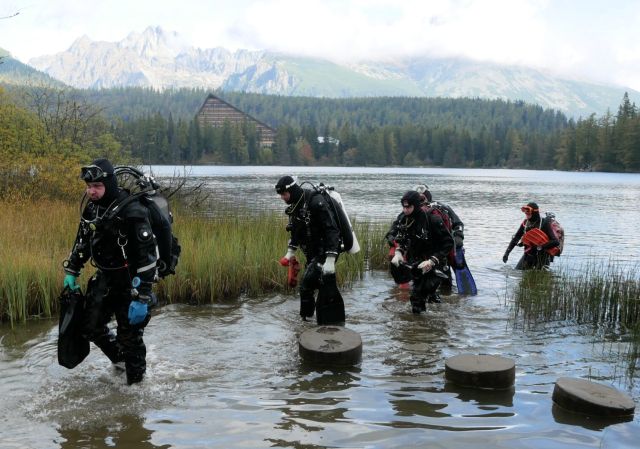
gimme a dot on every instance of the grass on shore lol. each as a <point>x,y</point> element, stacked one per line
<point>222,258</point>
<point>601,294</point>
<point>605,296</point>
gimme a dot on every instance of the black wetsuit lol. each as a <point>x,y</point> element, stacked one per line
<point>420,237</point>
<point>401,274</point>
<point>121,248</point>
<point>534,258</point>
<point>314,230</point>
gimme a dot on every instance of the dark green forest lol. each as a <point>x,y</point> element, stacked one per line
<point>160,127</point>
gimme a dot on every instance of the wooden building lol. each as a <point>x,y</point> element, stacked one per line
<point>215,111</point>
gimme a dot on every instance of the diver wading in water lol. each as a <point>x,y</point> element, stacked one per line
<point>465,283</point>
<point>314,230</point>
<point>121,245</point>
<point>538,238</point>
<point>453,224</point>
<point>423,245</point>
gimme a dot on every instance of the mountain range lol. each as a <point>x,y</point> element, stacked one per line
<point>161,59</point>
<point>13,71</point>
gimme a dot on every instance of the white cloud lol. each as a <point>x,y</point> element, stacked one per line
<point>496,30</point>
<point>583,38</point>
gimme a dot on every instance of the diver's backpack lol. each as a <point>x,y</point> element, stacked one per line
<point>334,200</point>
<point>437,209</point>
<point>557,229</point>
<point>147,190</point>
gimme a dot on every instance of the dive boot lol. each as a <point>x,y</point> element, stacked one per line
<point>418,305</point>
<point>434,299</point>
<point>134,378</point>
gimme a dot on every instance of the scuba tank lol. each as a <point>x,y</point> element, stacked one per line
<point>349,239</point>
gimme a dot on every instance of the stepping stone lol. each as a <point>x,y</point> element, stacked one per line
<point>331,345</point>
<point>591,398</point>
<point>480,371</point>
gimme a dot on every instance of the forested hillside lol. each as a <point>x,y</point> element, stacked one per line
<point>299,112</point>
<point>160,127</point>
<point>13,71</point>
<point>41,149</point>
<point>362,131</point>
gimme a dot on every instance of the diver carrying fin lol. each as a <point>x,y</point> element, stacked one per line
<point>73,347</point>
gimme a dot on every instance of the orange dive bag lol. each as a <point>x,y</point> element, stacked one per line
<point>537,237</point>
<point>292,274</point>
<point>294,269</point>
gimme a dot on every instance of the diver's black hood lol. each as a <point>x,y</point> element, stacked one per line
<point>289,184</point>
<point>111,190</point>
<point>412,198</point>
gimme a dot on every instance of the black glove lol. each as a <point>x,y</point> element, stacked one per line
<point>505,257</point>
<point>148,297</point>
<point>391,240</point>
<point>546,246</point>
<point>458,238</point>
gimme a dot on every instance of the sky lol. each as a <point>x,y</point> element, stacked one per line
<point>587,40</point>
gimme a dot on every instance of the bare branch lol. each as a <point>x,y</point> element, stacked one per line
<point>8,17</point>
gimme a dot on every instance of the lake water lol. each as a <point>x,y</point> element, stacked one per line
<point>229,375</point>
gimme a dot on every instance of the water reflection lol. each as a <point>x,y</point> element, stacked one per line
<point>229,374</point>
<point>563,416</point>
<point>485,399</point>
<point>127,431</point>
<point>414,407</point>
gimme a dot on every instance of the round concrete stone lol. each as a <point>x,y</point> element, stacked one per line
<point>331,345</point>
<point>590,398</point>
<point>480,371</point>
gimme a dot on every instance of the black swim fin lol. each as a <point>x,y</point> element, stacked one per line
<point>464,280</point>
<point>73,347</point>
<point>329,304</point>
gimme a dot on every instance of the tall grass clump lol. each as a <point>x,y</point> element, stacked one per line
<point>223,255</point>
<point>224,258</point>
<point>606,296</point>
<point>239,254</point>
<point>597,294</point>
<point>36,237</point>
<point>374,247</point>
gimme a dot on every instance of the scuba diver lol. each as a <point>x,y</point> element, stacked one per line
<point>454,225</point>
<point>423,244</point>
<point>115,233</point>
<point>538,238</point>
<point>314,230</point>
<point>401,273</point>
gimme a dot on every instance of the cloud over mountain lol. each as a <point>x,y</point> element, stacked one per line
<point>160,59</point>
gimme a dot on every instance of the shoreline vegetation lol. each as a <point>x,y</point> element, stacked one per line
<point>223,257</point>
<point>236,253</point>
<point>604,296</point>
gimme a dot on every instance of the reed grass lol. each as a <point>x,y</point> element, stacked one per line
<point>605,296</point>
<point>599,294</point>
<point>223,256</point>
<point>35,238</point>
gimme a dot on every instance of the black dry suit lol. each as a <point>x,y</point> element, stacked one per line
<point>534,258</point>
<point>421,237</point>
<point>121,246</point>
<point>313,230</point>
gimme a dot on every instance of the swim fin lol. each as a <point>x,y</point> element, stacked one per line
<point>464,280</point>
<point>73,347</point>
<point>329,304</point>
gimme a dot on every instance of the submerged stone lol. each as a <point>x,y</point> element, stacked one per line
<point>331,345</point>
<point>480,371</point>
<point>591,398</point>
